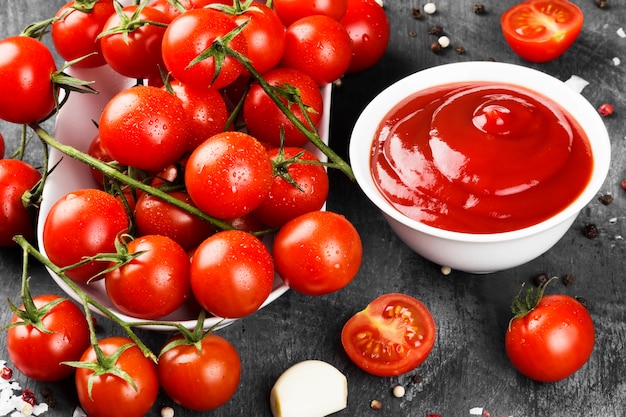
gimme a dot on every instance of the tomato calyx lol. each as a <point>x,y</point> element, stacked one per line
<point>130,23</point>
<point>236,9</point>
<point>31,315</point>
<point>523,305</point>
<point>191,337</point>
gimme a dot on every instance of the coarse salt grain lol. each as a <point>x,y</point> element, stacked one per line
<point>577,83</point>
<point>167,412</point>
<point>398,391</point>
<point>446,270</point>
<point>621,33</point>
<point>444,41</point>
<point>616,61</point>
<point>430,8</point>
<point>476,411</point>
<point>380,3</point>
<point>13,405</point>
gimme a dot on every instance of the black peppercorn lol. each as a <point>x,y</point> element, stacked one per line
<point>479,8</point>
<point>568,279</point>
<point>416,13</point>
<point>436,30</point>
<point>541,279</point>
<point>436,47</point>
<point>606,199</point>
<point>602,4</point>
<point>591,231</point>
<point>460,50</point>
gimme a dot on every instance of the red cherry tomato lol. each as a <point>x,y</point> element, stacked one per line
<point>317,253</point>
<point>144,127</point>
<point>542,30</point>
<point>153,284</point>
<point>288,200</point>
<point>291,10</point>
<point>265,120</point>
<point>200,379</point>
<point>26,66</point>
<point>188,36</point>
<point>16,177</point>
<point>393,335</point>
<point>135,52</point>
<point>319,46</point>
<point>75,33</point>
<point>83,223</point>
<point>109,395</point>
<point>39,354</point>
<point>368,27</point>
<point>229,175</point>
<point>552,339</point>
<point>232,274</point>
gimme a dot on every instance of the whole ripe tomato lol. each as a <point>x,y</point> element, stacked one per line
<point>192,33</point>
<point>232,274</point>
<point>550,338</point>
<point>291,10</point>
<point>134,50</point>
<point>317,253</point>
<point>154,283</point>
<point>75,33</point>
<point>144,127</point>
<point>206,111</point>
<point>200,379</point>
<point>109,395</point>
<point>16,177</point>
<point>26,66</point>
<point>541,30</point>
<point>49,335</point>
<point>265,121</point>
<point>229,175</point>
<point>304,190</point>
<point>393,335</point>
<point>319,46</point>
<point>368,27</point>
<point>265,36</point>
<point>83,223</point>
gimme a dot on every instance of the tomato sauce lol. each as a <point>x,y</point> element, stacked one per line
<point>480,157</point>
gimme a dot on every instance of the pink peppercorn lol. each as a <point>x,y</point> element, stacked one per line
<point>605,110</point>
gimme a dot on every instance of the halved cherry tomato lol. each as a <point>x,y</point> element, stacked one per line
<point>393,335</point>
<point>541,30</point>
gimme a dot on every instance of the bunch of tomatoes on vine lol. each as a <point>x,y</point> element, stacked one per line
<point>211,179</point>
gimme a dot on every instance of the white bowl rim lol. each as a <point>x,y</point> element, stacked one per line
<point>500,72</point>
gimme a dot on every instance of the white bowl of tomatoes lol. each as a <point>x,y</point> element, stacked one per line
<point>480,166</point>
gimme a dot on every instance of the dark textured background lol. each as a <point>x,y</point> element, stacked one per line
<point>468,366</point>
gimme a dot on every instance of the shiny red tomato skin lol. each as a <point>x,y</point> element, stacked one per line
<point>393,335</point>
<point>553,340</point>
<point>76,34</point>
<point>83,223</point>
<point>229,175</point>
<point>291,10</point>
<point>38,355</point>
<point>368,27</point>
<point>319,46</point>
<point>172,12</point>
<point>541,30</point>
<point>190,34</point>
<point>16,177</point>
<point>144,127</point>
<point>232,274</point>
<point>317,253</point>
<point>285,201</point>
<point>155,283</point>
<point>111,396</point>
<point>203,380</point>
<point>26,65</point>
<point>265,120</point>
<point>135,54</point>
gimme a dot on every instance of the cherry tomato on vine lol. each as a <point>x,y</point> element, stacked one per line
<point>75,33</point>
<point>319,46</point>
<point>541,30</point>
<point>232,274</point>
<point>203,379</point>
<point>26,67</point>
<point>135,51</point>
<point>291,10</point>
<point>264,120</point>
<point>317,253</point>
<point>153,284</point>
<point>16,177</point>
<point>109,395</point>
<point>144,127</point>
<point>229,175</point>
<point>288,200</point>
<point>368,27</point>
<point>551,338</point>
<point>83,223</point>
<point>189,35</point>
<point>55,335</point>
<point>393,335</point>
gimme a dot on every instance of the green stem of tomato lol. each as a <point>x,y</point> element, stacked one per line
<point>110,171</point>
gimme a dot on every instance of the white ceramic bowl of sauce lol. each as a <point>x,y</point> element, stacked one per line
<point>435,232</point>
